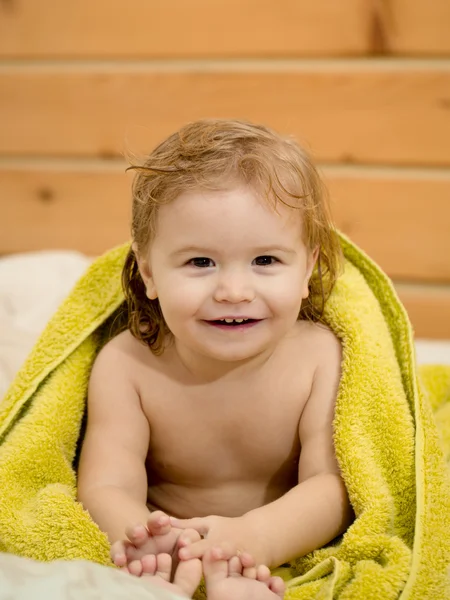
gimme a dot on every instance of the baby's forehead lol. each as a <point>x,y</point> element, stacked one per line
<point>227,219</point>
<point>275,200</point>
<point>227,203</point>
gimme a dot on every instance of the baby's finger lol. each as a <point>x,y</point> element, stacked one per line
<point>189,536</point>
<point>200,524</point>
<point>133,553</point>
<point>118,553</point>
<point>193,550</point>
<point>158,523</point>
<point>224,551</point>
<point>137,534</point>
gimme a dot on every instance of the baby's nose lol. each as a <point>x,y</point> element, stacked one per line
<point>234,287</point>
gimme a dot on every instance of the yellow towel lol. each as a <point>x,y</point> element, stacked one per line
<point>391,452</point>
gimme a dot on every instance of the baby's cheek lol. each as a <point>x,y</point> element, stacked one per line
<point>287,297</point>
<point>179,306</point>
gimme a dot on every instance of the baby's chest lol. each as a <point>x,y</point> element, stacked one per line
<point>224,436</point>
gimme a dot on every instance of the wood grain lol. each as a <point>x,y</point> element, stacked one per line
<point>428,308</point>
<point>85,211</point>
<point>223,28</point>
<point>347,112</point>
<point>416,27</point>
<point>176,28</point>
<point>401,218</point>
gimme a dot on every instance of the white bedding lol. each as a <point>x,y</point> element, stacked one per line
<point>24,579</point>
<point>33,284</point>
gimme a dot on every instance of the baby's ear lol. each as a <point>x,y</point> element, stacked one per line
<point>312,259</point>
<point>146,273</point>
<point>311,263</point>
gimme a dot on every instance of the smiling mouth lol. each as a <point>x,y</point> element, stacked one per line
<point>233,322</point>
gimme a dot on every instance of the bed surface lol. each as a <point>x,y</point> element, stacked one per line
<point>33,284</point>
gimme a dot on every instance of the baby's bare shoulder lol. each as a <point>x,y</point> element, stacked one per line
<point>121,370</point>
<point>318,347</point>
<point>316,337</point>
<point>122,354</point>
<point>119,348</point>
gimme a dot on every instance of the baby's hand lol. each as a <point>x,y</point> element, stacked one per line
<point>236,534</point>
<point>157,537</point>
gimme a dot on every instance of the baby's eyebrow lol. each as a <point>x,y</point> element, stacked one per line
<point>191,250</point>
<point>273,250</point>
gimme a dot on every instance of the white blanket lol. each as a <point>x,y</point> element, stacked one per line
<point>31,287</point>
<point>25,579</point>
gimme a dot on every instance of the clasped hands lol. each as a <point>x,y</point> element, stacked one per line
<point>184,539</point>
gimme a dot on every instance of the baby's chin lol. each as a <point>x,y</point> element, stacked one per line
<point>236,356</point>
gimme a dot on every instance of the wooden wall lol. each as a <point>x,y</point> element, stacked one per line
<point>365,84</point>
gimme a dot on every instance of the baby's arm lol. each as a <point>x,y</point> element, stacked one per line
<point>313,512</point>
<point>316,510</point>
<point>112,481</point>
<point>112,478</point>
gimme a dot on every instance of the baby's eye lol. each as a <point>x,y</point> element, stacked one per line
<point>201,262</point>
<point>264,261</point>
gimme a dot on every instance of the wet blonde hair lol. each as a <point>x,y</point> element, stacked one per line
<point>219,154</point>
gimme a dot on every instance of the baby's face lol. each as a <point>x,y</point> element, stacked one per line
<point>230,273</point>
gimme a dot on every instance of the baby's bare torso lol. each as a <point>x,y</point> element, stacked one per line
<point>227,446</point>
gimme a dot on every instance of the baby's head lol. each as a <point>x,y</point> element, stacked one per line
<point>214,155</point>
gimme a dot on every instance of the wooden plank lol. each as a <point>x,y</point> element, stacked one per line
<point>198,28</point>
<point>415,28</point>
<point>428,308</point>
<point>80,210</point>
<point>400,219</point>
<point>223,28</point>
<point>349,112</point>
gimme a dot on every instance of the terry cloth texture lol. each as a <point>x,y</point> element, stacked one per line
<point>392,431</point>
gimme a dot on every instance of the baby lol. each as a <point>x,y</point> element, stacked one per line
<point>210,418</point>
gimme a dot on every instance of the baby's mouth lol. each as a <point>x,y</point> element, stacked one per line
<point>230,323</point>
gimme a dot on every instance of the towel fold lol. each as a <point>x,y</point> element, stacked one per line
<point>392,439</point>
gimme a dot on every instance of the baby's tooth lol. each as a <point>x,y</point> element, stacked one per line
<point>228,320</point>
<point>239,320</point>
